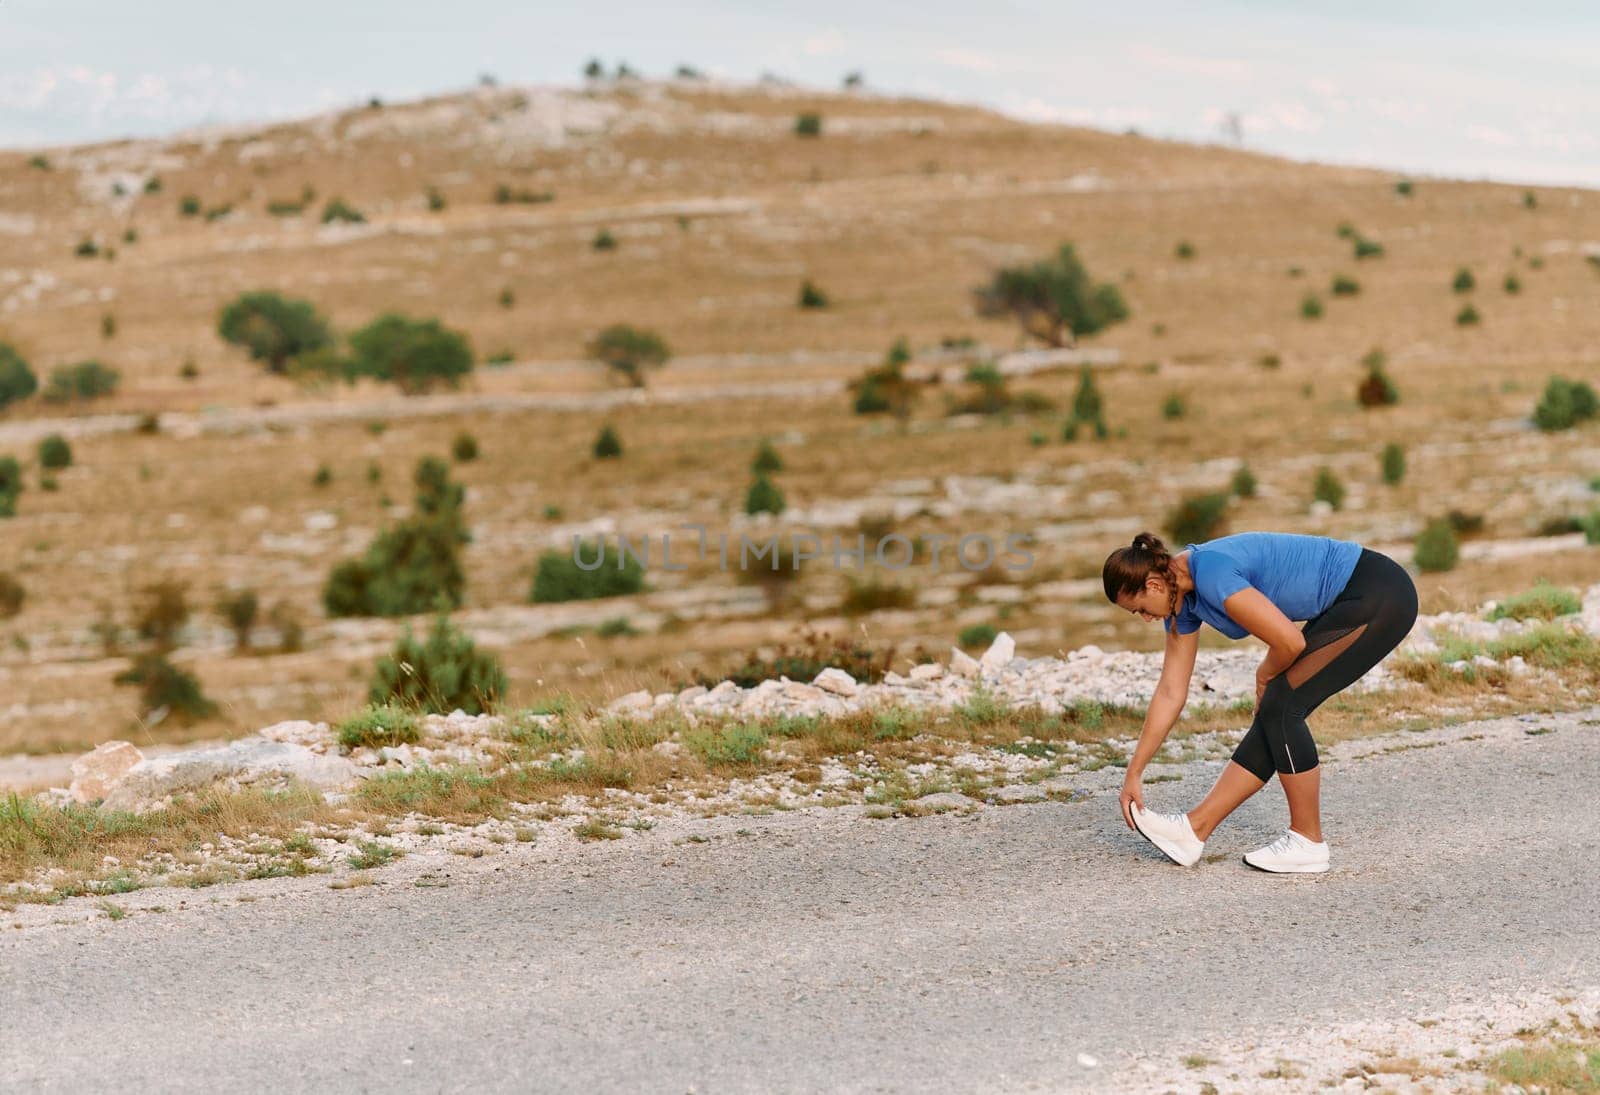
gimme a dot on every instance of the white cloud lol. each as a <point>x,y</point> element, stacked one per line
<point>1490,135</point>
<point>1213,68</point>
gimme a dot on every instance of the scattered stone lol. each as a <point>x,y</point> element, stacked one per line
<point>94,774</point>
<point>999,654</point>
<point>1013,793</point>
<point>946,800</point>
<point>636,701</point>
<point>931,671</point>
<point>963,664</point>
<point>836,681</point>
<point>247,760</point>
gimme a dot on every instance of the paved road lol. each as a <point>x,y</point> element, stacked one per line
<point>829,952</point>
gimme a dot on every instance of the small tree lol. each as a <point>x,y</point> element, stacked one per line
<point>1393,463</point>
<point>608,446</point>
<point>337,209</point>
<point>811,296</point>
<point>1311,306</point>
<point>1343,286</point>
<point>166,690</point>
<point>1564,404</point>
<point>808,124</point>
<point>17,381</point>
<point>763,497</point>
<point>1198,517</point>
<point>1467,317</point>
<point>628,351</point>
<point>163,610</point>
<point>445,673</point>
<point>416,355</point>
<point>887,389</point>
<point>1437,548</point>
<point>464,448</point>
<point>54,452</point>
<point>1327,488</point>
<point>767,461</point>
<point>1244,482</point>
<point>1174,406</point>
<point>10,485</point>
<point>1054,300</point>
<point>1464,281</point>
<point>1184,250</point>
<point>82,381</point>
<point>239,610</point>
<point>273,328</point>
<point>604,240</point>
<point>1377,390</point>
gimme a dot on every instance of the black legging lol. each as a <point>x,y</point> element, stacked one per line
<point>1368,619</point>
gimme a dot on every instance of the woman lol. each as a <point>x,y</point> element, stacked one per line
<point>1358,603</point>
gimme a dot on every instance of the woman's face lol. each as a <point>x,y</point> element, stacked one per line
<point>1150,603</point>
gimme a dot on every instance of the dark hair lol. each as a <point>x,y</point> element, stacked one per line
<point>1128,568</point>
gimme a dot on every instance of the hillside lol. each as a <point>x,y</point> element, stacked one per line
<point>719,212</point>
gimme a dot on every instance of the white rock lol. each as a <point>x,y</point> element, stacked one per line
<point>999,654</point>
<point>1017,792</point>
<point>95,773</point>
<point>631,701</point>
<point>245,760</point>
<point>929,672</point>
<point>963,664</point>
<point>946,800</point>
<point>298,731</point>
<point>836,681</point>
<point>804,693</point>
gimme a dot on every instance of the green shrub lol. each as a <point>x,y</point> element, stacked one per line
<point>11,596</point>
<point>1327,488</point>
<point>1244,482</point>
<point>767,461</point>
<point>1198,517</point>
<point>607,446</point>
<point>1543,602</point>
<point>504,195</point>
<point>1564,404</point>
<point>1364,248</point>
<point>740,743</point>
<point>1311,306</point>
<point>442,674</point>
<point>809,655</point>
<point>763,497</point>
<point>808,124</point>
<point>977,635</point>
<point>413,566</point>
<point>163,687</point>
<point>811,296</point>
<point>886,389</point>
<point>1184,250</point>
<point>507,298</point>
<point>54,452</point>
<point>338,210</point>
<point>1344,286</point>
<point>323,476</point>
<point>17,381</point>
<point>1377,390</point>
<point>1173,407</point>
<point>1087,406</point>
<point>10,485</point>
<point>87,248</point>
<point>628,351</point>
<point>1529,200</point>
<point>378,725</point>
<point>82,381</point>
<point>1403,187</point>
<point>436,200</point>
<point>604,240</point>
<point>1437,548</point>
<point>273,328</point>
<point>604,574</point>
<point>1269,361</point>
<point>1467,317</point>
<point>464,448</point>
<point>1345,230</point>
<point>1464,281</point>
<point>1511,285</point>
<point>614,627</point>
<point>189,206</point>
<point>239,610</point>
<point>1393,463</point>
<point>1054,300</point>
<point>416,355</point>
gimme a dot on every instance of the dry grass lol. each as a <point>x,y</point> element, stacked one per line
<point>896,227</point>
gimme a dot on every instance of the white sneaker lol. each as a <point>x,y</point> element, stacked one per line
<point>1291,853</point>
<point>1172,833</point>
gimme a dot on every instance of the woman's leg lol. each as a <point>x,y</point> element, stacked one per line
<point>1233,786</point>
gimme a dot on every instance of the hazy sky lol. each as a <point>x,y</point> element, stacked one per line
<point>1465,88</point>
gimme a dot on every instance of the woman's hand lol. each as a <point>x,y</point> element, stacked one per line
<point>1131,793</point>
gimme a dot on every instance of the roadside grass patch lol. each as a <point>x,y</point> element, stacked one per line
<point>1544,601</point>
<point>374,854</point>
<point>379,725</point>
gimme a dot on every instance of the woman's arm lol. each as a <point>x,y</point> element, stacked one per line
<point>1251,610</point>
<point>1172,692</point>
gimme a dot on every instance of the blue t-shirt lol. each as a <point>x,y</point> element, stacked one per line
<point>1300,574</point>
